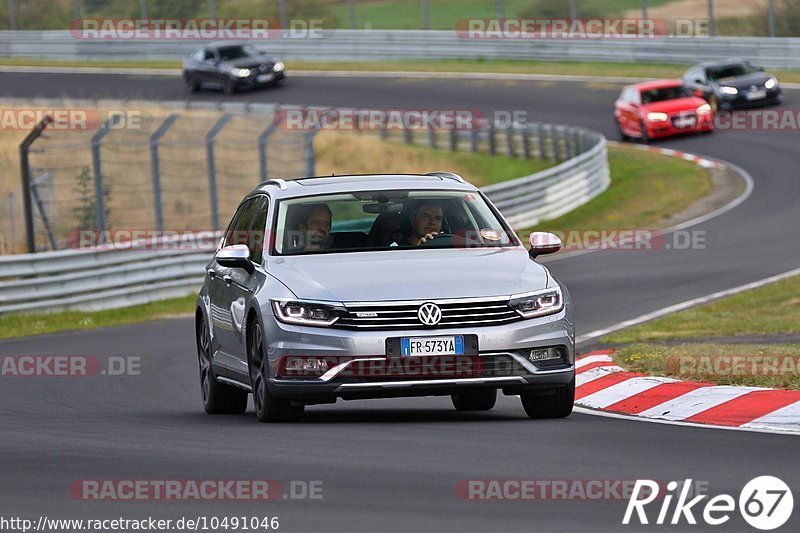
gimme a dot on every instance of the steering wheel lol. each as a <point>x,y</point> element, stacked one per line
<point>441,239</point>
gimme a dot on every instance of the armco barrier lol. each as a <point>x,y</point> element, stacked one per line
<point>109,277</point>
<point>353,45</point>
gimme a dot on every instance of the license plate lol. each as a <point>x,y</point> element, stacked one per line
<point>416,346</point>
<point>686,122</point>
<point>757,95</point>
<point>264,77</point>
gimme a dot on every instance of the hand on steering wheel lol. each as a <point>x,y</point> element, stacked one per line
<point>429,237</point>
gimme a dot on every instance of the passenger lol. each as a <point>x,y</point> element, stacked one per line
<point>387,230</point>
<point>316,227</point>
<point>426,222</point>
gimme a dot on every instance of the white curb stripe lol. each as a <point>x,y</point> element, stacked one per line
<point>595,373</point>
<point>622,391</point>
<point>785,419</point>
<point>695,402</point>
<point>583,361</point>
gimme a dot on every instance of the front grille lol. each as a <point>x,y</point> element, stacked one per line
<point>684,120</point>
<point>470,313</point>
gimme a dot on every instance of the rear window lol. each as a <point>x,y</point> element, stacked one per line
<point>388,220</point>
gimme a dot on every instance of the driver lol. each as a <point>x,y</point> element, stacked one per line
<point>317,227</point>
<point>426,222</point>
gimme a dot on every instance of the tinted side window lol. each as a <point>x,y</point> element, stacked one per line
<point>209,54</point>
<point>257,228</point>
<point>199,55</point>
<point>240,224</point>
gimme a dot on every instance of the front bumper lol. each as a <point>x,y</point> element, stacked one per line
<point>741,101</point>
<point>500,363</point>
<point>260,80</point>
<point>656,130</point>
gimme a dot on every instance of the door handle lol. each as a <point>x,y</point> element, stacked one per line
<point>211,273</point>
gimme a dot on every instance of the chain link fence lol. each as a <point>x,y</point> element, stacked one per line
<point>151,168</point>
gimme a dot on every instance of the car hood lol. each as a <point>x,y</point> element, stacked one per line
<point>410,274</point>
<point>745,82</point>
<point>689,103</point>
<point>251,62</point>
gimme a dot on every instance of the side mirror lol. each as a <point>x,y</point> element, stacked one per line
<point>698,81</point>
<point>235,256</point>
<point>543,243</point>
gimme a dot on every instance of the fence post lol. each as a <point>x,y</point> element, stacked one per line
<point>407,137</point>
<point>262,149</point>
<point>99,187</point>
<point>492,140</point>
<point>554,142</point>
<point>432,137</point>
<point>212,167</point>
<point>510,141</point>
<point>42,211</point>
<point>155,168</point>
<point>25,168</point>
<point>526,141</point>
<point>453,140</point>
<point>309,153</point>
<point>540,139</point>
<point>13,215</point>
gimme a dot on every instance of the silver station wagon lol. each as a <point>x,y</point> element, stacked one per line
<point>380,286</point>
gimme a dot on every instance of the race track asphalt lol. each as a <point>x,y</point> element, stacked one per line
<point>392,465</point>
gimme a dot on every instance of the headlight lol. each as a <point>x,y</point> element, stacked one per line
<point>303,313</point>
<point>278,66</point>
<point>703,109</point>
<point>729,90</point>
<point>241,72</point>
<point>771,83</point>
<point>657,117</point>
<point>539,303</point>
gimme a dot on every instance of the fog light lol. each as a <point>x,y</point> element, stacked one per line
<point>545,354</point>
<point>305,366</point>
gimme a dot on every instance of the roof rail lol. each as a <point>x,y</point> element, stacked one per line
<point>281,184</point>
<point>446,175</point>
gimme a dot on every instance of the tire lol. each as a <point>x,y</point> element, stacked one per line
<point>478,400</point>
<point>218,399</point>
<point>268,407</point>
<point>228,87</point>
<point>558,404</point>
<point>714,103</point>
<point>645,138</point>
<point>192,84</point>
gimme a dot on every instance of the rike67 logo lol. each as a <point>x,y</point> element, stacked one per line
<point>765,503</point>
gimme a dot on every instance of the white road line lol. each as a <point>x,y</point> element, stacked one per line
<point>595,373</point>
<point>591,359</point>
<point>621,391</point>
<point>786,418</point>
<point>686,305</point>
<point>694,402</point>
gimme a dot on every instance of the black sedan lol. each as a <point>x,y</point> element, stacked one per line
<point>231,66</point>
<point>733,83</point>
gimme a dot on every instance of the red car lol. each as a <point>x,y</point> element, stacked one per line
<point>661,108</point>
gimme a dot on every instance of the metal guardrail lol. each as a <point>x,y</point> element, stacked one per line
<point>353,45</point>
<point>109,276</point>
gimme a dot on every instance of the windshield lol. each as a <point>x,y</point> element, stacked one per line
<point>665,93</point>
<point>731,71</point>
<point>228,53</point>
<point>388,220</point>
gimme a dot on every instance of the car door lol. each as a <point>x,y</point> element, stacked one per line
<point>209,68</point>
<point>223,294</point>
<point>243,285</point>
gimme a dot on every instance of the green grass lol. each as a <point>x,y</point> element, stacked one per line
<point>557,68</point>
<point>407,14</point>
<point>724,364</point>
<point>774,308</point>
<point>23,325</point>
<point>646,188</point>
